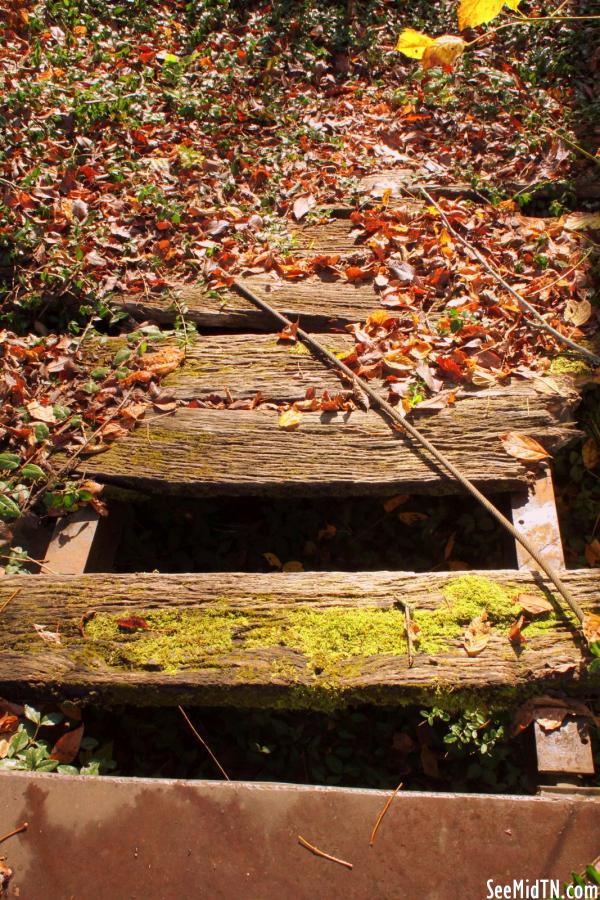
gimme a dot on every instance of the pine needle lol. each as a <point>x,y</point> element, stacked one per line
<point>322,854</point>
<point>388,803</point>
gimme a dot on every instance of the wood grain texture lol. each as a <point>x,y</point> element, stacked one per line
<point>279,674</point>
<point>203,451</point>
<point>244,452</point>
<point>318,303</point>
<point>247,363</point>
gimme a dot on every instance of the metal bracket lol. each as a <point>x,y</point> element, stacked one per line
<point>534,513</point>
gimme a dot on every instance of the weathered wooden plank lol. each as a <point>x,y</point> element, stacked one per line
<point>247,363</point>
<point>319,304</point>
<point>296,639</point>
<point>244,452</point>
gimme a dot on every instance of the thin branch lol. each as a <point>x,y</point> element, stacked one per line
<point>7,601</point>
<point>204,744</point>
<point>541,322</point>
<point>29,559</point>
<point>322,854</point>
<point>379,819</point>
<point>17,830</point>
<point>572,144</point>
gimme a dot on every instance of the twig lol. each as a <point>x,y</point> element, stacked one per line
<point>409,636</point>
<point>204,744</point>
<point>322,854</point>
<point>12,597</point>
<point>541,322</point>
<point>379,819</point>
<point>18,830</point>
<point>399,422</point>
<point>30,559</point>
<point>572,144</point>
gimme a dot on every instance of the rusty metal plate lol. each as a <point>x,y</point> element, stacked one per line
<point>566,749</point>
<point>137,839</point>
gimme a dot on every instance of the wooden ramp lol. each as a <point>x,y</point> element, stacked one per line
<point>297,639</point>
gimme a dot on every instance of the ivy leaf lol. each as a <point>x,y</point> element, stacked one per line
<point>32,472</point>
<point>9,461</point>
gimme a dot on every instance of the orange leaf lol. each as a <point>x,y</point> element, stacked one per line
<point>391,503</point>
<point>356,273</point>
<point>521,446</point>
<point>67,747</point>
<point>514,634</point>
<point>591,628</point>
<point>592,553</point>
<point>380,317</point>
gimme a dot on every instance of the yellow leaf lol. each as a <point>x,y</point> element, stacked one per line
<point>413,43</point>
<point>293,566</point>
<point>591,627</point>
<point>290,419</point>
<point>273,560</point>
<point>444,51</point>
<point>589,454</point>
<point>379,317</point>
<point>472,13</point>
<point>512,4</point>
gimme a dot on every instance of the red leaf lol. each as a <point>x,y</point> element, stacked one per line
<point>132,623</point>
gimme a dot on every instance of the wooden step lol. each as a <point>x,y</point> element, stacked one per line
<point>293,640</point>
<point>198,452</point>
<point>318,303</point>
<point>202,451</point>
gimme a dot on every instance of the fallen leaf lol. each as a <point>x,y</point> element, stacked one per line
<point>521,446</point>
<point>592,553</point>
<point>413,43</point>
<point>589,454</point>
<point>51,637</point>
<point>591,627</point>
<point>303,205</point>
<point>292,566</point>
<point>411,518</point>
<point>67,747</point>
<point>477,635</point>
<point>289,333</point>
<point>472,13</point>
<point>533,604</point>
<point>577,312</point>
<point>515,635</point>
<point>429,761</point>
<point>550,712</point>
<point>273,560</point>
<point>392,503</point>
<point>41,413</point>
<point>290,419</point>
<point>443,53</point>
<point>132,623</point>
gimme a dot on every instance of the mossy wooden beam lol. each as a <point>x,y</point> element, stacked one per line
<point>289,640</point>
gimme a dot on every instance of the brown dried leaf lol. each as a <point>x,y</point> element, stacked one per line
<point>521,446</point>
<point>67,747</point>
<point>51,637</point>
<point>589,454</point>
<point>533,604</point>
<point>132,623</point>
<point>577,312</point>
<point>591,628</point>
<point>477,635</point>
<point>515,634</point>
